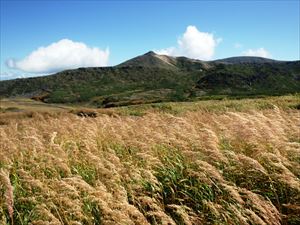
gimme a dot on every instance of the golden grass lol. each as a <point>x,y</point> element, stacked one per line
<point>194,167</point>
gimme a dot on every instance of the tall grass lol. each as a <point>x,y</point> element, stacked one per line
<point>197,167</point>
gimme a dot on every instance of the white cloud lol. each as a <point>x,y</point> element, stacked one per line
<point>7,75</point>
<point>61,55</point>
<point>13,74</point>
<point>193,44</point>
<point>260,52</point>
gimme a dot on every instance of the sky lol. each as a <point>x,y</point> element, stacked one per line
<point>47,36</point>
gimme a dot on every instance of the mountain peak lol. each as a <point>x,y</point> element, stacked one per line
<point>151,53</point>
<point>151,59</point>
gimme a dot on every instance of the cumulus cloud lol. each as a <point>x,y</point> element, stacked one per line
<point>193,44</point>
<point>260,52</point>
<point>7,75</point>
<point>13,74</point>
<point>61,55</point>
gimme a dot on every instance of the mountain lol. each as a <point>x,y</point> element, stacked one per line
<point>151,59</point>
<point>246,59</point>
<point>155,78</point>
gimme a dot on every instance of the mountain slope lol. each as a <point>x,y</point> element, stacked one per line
<point>154,78</point>
<point>150,59</point>
<point>102,86</point>
<point>246,59</point>
<point>252,78</point>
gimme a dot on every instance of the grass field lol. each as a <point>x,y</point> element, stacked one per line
<point>206,162</point>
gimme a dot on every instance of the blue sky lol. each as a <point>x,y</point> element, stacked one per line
<point>90,33</point>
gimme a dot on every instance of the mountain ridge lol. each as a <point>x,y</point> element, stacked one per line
<point>148,59</point>
<point>152,78</point>
<point>247,59</point>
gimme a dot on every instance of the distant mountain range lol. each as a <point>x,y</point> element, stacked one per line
<point>155,78</point>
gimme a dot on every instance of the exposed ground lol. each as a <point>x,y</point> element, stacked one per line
<point>207,162</point>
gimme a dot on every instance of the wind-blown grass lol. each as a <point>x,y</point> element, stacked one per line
<point>194,167</point>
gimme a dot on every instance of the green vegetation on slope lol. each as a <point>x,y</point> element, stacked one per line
<point>154,78</point>
<point>252,79</point>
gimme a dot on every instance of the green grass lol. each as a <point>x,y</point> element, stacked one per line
<point>215,106</point>
<point>130,85</point>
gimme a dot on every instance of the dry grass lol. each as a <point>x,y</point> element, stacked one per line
<point>197,167</point>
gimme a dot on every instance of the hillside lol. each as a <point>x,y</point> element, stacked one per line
<point>155,78</point>
<point>246,59</point>
<point>252,78</point>
<point>150,59</point>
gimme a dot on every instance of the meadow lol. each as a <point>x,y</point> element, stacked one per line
<point>206,162</point>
